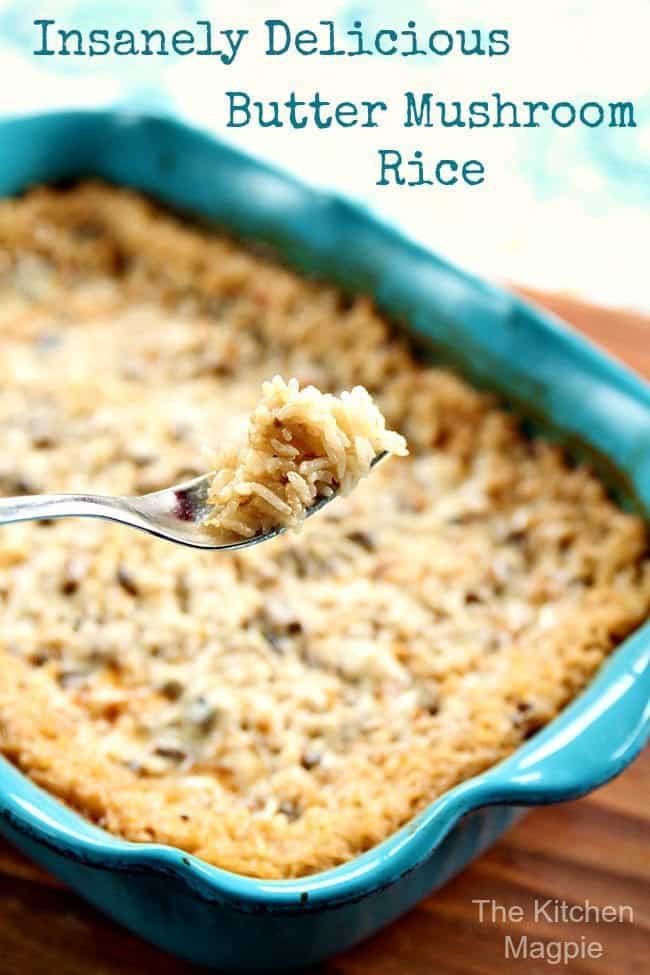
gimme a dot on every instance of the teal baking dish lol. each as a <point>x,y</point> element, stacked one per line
<point>234,923</point>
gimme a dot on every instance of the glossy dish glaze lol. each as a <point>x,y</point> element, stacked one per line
<point>236,923</point>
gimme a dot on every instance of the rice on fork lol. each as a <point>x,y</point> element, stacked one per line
<point>302,445</point>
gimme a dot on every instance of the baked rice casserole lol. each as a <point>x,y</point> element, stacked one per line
<point>275,711</point>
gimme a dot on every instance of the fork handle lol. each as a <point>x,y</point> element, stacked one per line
<point>40,506</point>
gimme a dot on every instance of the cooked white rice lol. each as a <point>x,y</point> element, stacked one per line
<point>301,445</point>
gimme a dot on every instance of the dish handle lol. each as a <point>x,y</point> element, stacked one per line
<point>588,745</point>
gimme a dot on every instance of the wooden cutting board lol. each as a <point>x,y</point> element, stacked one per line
<point>596,849</point>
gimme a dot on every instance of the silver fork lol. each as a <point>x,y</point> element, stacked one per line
<point>177,513</point>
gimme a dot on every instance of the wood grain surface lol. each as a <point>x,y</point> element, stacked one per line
<point>596,849</point>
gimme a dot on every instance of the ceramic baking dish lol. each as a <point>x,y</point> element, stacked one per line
<point>236,923</point>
